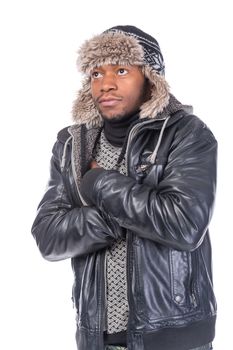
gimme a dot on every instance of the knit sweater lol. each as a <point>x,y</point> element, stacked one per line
<point>106,156</point>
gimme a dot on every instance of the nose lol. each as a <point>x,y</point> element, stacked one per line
<point>108,82</point>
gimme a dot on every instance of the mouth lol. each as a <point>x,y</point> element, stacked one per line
<point>109,101</point>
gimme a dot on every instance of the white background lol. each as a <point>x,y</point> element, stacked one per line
<point>38,82</point>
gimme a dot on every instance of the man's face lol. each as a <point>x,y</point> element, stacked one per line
<point>118,91</point>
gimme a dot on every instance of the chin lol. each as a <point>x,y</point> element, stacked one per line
<point>115,117</point>
<point>112,117</point>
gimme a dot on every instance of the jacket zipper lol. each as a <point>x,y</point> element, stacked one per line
<point>104,312</point>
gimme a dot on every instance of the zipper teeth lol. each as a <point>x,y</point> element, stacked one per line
<point>105,292</point>
<point>128,274</point>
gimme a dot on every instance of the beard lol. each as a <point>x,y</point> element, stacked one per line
<point>118,117</point>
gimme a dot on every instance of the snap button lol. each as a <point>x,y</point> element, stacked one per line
<point>178,298</point>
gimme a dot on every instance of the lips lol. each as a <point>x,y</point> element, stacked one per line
<point>109,101</point>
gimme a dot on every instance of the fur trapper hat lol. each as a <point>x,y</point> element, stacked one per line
<point>122,45</point>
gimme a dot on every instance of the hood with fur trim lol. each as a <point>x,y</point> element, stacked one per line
<point>116,48</point>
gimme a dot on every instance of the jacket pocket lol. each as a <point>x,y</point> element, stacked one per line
<point>183,279</point>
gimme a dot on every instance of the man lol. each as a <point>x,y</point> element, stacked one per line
<point>129,200</point>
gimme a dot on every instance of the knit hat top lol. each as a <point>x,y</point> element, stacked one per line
<point>152,53</point>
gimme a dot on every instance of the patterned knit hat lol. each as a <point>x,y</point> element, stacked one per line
<point>152,53</point>
<point>121,45</point>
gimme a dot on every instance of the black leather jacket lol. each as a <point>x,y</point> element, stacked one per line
<point>165,203</point>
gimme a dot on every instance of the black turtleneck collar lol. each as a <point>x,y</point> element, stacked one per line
<point>115,130</point>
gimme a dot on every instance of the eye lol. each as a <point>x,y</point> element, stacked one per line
<point>122,71</point>
<point>95,74</point>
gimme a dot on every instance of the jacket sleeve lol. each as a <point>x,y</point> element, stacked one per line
<point>177,211</point>
<point>63,230</point>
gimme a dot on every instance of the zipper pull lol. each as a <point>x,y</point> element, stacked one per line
<point>142,168</point>
<point>141,171</point>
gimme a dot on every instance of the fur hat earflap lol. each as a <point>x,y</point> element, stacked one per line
<point>159,94</point>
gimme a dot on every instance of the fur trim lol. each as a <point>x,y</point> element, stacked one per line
<point>159,94</point>
<point>84,110</point>
<point>109,48</point>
